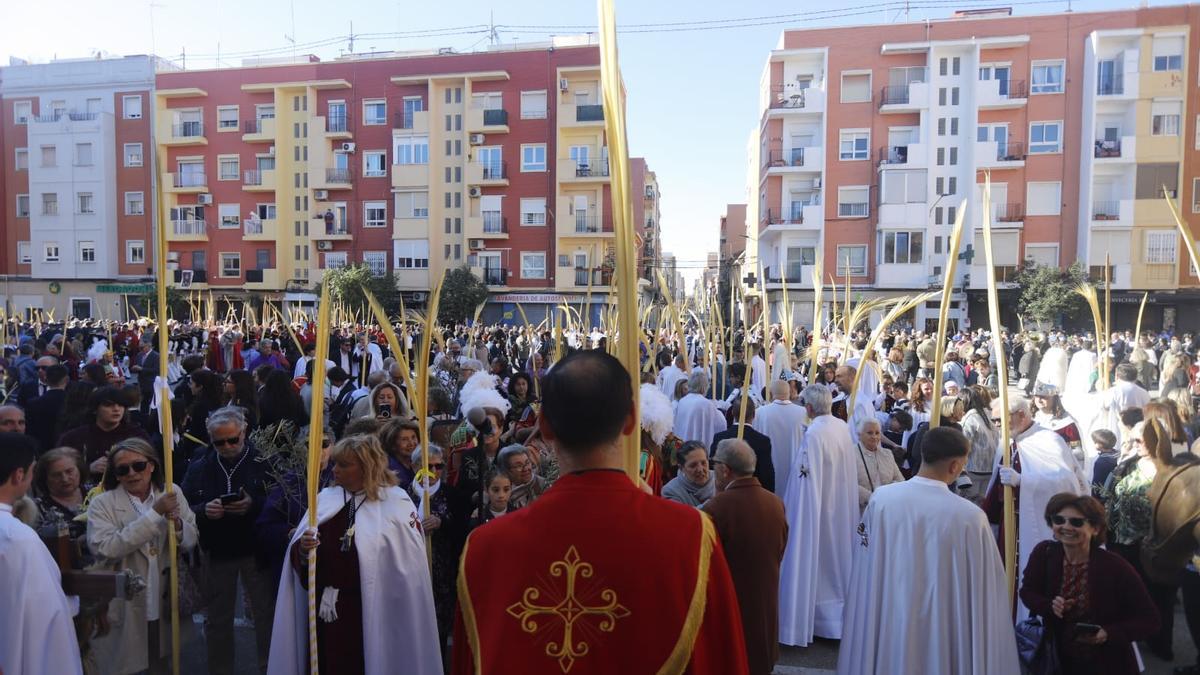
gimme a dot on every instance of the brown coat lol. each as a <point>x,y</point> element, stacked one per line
<point>753,529</point>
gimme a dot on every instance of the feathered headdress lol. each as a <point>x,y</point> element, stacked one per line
<point>96,352</point>
<point>657,416</point>
<point>480,392</point>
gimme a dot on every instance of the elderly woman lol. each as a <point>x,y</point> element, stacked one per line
<point>1092,602</point>
<point>527,485</point>
<point>694,485</point>
<point>368,536</point>
<point>399,438</point>
<point>127,530</point>
<point>875,468</point>
<point>58,489</point>
<point>1052,415</point>
<point>978,428</point>
<point>439,525</point>
<point>1147,370</point>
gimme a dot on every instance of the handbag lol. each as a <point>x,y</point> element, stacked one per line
<point>1036,645</point>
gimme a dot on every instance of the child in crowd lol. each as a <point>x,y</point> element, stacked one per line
<point>499,487</point>
<point>1106,444</point>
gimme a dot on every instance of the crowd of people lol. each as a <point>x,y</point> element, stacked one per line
<point>833,507</point>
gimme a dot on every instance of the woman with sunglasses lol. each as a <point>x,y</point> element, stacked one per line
<point>439,525</point>
<point>127,530</point>
<point>1092,602</point>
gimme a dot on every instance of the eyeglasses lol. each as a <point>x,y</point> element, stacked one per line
<point>1063,520</point>
<point>136,467</point>
<point>218,442</point>
<point>436,467</point>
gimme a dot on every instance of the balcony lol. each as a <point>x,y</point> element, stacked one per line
<point>585,276</point>
<point>334,230</point>
<point>1008,213</point>
<point>187,182</point>
<point>1111,86</point>
<point>798,215</point>
<point>493,276</point>
<point>338,177</point>
<point>260,230</point>
<point>587,171</point>
<point>410,175</point>
<point>585,223</point>
<point>487,173</point>
<point>337,127</point>
<point>261,130</point>
<point>1000,94</point>
<point>416,121</point>
<point>263,279</point>
<point>796,276</point>
<point>256,180</point>
<point>903,98</point>
<point>996,155</point>
<point>1120,151</point>
<point>487,120</point>
<point>182,133</point>
<point>189,230</point>
<point>494,223</point>
<point>197,276</point>
<point>1112,213</point>
<point>806,158</point>
<point>586,115</point>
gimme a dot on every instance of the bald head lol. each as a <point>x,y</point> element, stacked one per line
<point>737,456</point>
<point>12,419</point>
<point>844,377</point>
<point>781,390</point>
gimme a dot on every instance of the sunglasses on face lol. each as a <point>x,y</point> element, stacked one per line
<point>218,442</point>
<point>1063,520</point>
<point>135,467</point>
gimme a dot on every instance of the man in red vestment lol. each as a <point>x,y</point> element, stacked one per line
<point>595,576</point>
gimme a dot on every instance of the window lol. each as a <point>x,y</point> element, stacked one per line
<point>1164,118</point>
<point>135,205</point>
<point>374,214</point>
<point>227,168</point>
<point>1044,255</point>
<point>853,202</point>
<point>856,87</point>
<point>135,251</point>
<point>22,111</point>
<point>799,257</point>
<point>413,205</point>
<point>49,156</point>
<point>87,251</point>
<point>50,252</point>
<point>902,248</point>
<point>1043,199</point>
<point>411,150</point>
<point>22,206</point>
<point>1160,247</point>
<point>336,261</point>
<point>851,260</point>
<point>376,261</point>
<point>1171,62</point>
<point>131,107</point>
<point>533,211</point>
<point>227,118</point>
<point>374,112</point>
<point>24,252</point>
<point>231,265</point>
<point>903,187</point>
<point>1045,137</point>
<point>533,264</point>
<point>266,211</point>
<point>1152,177</point>
<point>375,163</point>
<point>533,157</point>
<point>533,105</point>
<point>49,203</point>
<point>84,203</point>
<point>1047,77</point>
<point>229,216</point>
<point>22,159</point>
<point>1196,195</point>
<point>133,154</point>
<point>412,254</point>
<point>855,144</point>
<point>1168,52</point>
<point>953,95</point>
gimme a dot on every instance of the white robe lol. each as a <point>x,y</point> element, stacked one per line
<point>1053,368</point>
<point>783,422</point>
<point>821,502</point>
<point>397,594</point>
<point>758,373</point>
<point>927,591</point>
<point>698,419</point>
<point>667,378</point>
<point>37,634</point>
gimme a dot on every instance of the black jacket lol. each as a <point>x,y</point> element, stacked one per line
<point>41,416</point>
<point>764,468</point>
<point>229,536</point>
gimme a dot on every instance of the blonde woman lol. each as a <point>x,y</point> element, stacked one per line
<point>373,586</point>
<point>127,530</point>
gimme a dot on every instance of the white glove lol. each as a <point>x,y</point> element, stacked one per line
<point>328,610</point>
<point>1009,476</point>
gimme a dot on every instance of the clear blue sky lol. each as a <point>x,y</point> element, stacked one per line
<point>692,94</point>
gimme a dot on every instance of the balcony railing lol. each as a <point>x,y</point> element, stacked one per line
<point>586,222</point>
<point>894,94</point>
<point>793,157</point>
<point>189,179</point>
<point>788,97</point>
<point>495,170</point>
<point>497,117</point>
<point>50,209</point>
<point>589,113</point>
<point>793,272</point>
<point>1108,149</point>
<point>82,116</point>
<point>495,276</point>
<point>1111,86</point>
<point>335,124</point>
<point>188,227</point>
<point>1008,213</point>
<point>494,223</point>
<point>404,118</point>
<point>253,177</point>
<point>187,129</point>
<point>254,126</point>
<point>1106,209</point>
<point>1013,151</point>
<point>793,215</point>
<point>1096,273</point>
<point>340,176</point>
<point>251,227</point>
<point>598,277</point>
<point>895,154</point>
<point>333,226</point>
<point>1011,88</point>
<point>589,168</point>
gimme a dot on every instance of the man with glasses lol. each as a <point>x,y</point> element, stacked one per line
<point>226,488</point>
<point>33,389</point>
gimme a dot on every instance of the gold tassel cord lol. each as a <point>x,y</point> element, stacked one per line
<point>935,412</point>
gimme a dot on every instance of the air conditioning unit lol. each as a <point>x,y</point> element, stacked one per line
<point>324,245</point>
<point>419,297</point>
<point>173,256</point>
<point>476,139</point>
<point>185,278</point>
<point>817,182</point>
<point>563,84</point>
<point>321,194</point>
<point>474,191</point>
<point>271,151</point>
<point>476,244</point>
<point>347,147</point>
<point>204,198</point>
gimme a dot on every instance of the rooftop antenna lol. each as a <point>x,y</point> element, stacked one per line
<point>493,34</point>
<point>351,37</point>
<point>292,38</point>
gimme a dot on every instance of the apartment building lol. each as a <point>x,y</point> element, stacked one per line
<point>644,192</point>
<point>77,185</point>
<point>871,138</point>
<point>411,164</point>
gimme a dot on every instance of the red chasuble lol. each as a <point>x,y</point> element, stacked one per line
<point>597,577</point>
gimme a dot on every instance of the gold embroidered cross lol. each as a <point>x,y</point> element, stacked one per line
<point>569,609</point>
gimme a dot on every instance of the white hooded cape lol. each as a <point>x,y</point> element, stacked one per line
<point>927,591</point>
<point>783,422</point>
<point>397,594</point>
<point>821,501</point>
<point>698,419</point>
